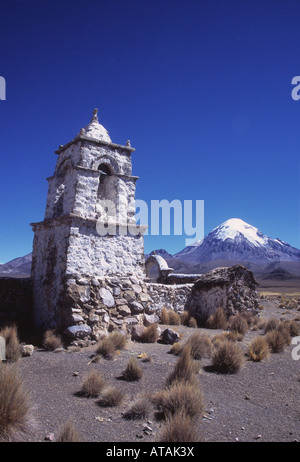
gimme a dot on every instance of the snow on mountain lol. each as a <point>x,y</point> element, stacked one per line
<point>236,240</point>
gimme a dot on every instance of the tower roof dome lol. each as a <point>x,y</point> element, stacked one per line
<point>95,130</point>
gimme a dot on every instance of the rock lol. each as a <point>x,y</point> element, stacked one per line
<point>93,318</point>
<point>81,331</point>
<point>150,319</point>
<point>118,322</point>
<point>169,336</point>
<point>144,297</point>
<point>107,298</point>
<point>26,350</point>
<point>76,318</point>
<point>121,301</point>
<point>137,288</point>
<point>136,307</point>
<point>124,310</point>
<point>137,332</point>
<point>131,321</point>
<point>105,318</point>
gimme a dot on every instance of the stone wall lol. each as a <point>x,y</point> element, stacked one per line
<point>233,289</point>
<point>90,307</point>
<point>94,306</point>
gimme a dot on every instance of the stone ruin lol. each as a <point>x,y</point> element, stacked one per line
<point>86,283</point>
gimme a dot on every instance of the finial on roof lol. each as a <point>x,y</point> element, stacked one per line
<point>95,115</point>
<point>128,143</point>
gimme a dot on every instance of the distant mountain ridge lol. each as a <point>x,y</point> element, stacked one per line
<point>18,267</point>
<point>233,242</point>
<point>236,240</point>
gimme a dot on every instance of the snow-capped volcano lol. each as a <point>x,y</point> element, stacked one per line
<point>236,240</point>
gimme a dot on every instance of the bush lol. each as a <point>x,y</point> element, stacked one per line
<point>68,434</point>
<point>276,340</point>
<point>293,327</point>
<point>200,345</point>
<point>184,318</point>
<point>285,331</point>
<point>108,346</point>
<point>179,429</point>
<point>218,320</point>
<point>140,409</point>
<point>111,397</point>
<point>10,334</point>
<point>271,324</point>
<point>150,334</point>
<point>119,340</point>
<point>174,318</point>
<point>176,349</point>
<point>238,324</point>
<point>51,340</point>
<point>185,368</point>
<point>15,408</point>
<point>192,322</point>
<point>133,371</point>
<point>183,397</point>
<point>228,357</point>
<point>93,384</point>
<point>258,349</point>
<point>164,316</point>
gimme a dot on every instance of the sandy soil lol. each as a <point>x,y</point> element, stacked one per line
<point>259,403</point>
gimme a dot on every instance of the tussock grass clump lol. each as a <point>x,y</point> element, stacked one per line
<point>15,407</point>
<point>192,322</point>
<point>184,318</point>
<point>271,324</point>
<point>133,371</point>
<point>291,325</point>
<point>140,409</point>
<point>276,340</point>
<point>200,345</point>
<point>10,334</point>
<point>176,349</point>
<point>258,349</point>
<point>164,316</point>
<point>285,331</point>
<point>180,397</point>
<point>119,340</point>
<point>228,357</point>
<point>179,429</point>
<point>68,434</point>
<point>174,318</point>
<point>92,384</point>
<point>111,397</point>
<point>228,335</point>
<point>108,346</point>
<point>238,324</point>
<point>51,340</point>
<point>150,334</point>
<point>218,320</point>
<point>185,369</point>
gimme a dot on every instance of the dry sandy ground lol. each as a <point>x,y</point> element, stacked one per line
<point>259,403</point>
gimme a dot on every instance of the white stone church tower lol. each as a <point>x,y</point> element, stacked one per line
<point>84,234</point>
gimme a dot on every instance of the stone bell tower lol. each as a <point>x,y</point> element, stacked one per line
<point>85,231</point>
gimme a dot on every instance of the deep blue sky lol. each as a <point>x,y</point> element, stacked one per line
<point>202,88</point>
